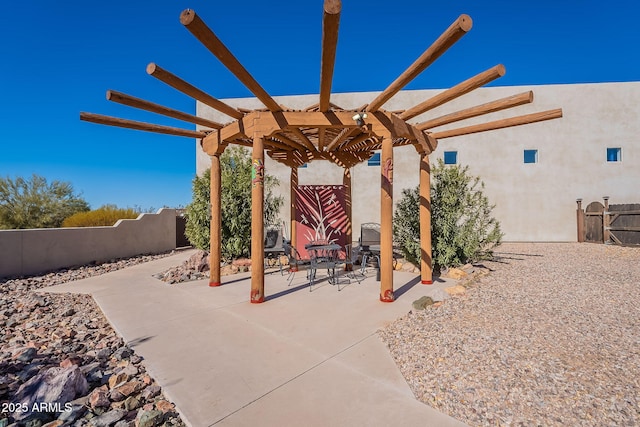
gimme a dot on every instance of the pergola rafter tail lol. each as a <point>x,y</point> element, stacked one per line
<point>132,124</point>
<point>199,29</point>
<point>188,89</point>
<point>330,24</point>
<point>134,102</point>
<point>479,110</point>
<point>451,35</point>
<point>501,124</point>
<point>456,91</point>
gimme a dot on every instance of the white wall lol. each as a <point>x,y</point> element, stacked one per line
<point>534,202</point>
<point>28,252</point>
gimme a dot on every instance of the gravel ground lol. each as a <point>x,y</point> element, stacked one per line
<point>550,337</point>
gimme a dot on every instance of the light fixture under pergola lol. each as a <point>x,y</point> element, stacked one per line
<point>324,131</point>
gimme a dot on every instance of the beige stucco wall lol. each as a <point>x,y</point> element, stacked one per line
<point>28,252</point>
<point>534,202</point>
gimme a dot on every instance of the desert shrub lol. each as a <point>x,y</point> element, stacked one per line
<point>34,203</point>
<point>235,165</point>
<point>106,215</point>
<point>406,224</point>
<point>462,228</point>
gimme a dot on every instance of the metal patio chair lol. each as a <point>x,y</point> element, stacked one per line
<point>369,243</point>
<point>351,255</point>
<point>323,256</point>
<point>273,245</point>
<point>295,261</point>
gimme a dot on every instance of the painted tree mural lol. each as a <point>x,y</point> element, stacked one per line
<point>320,215</point>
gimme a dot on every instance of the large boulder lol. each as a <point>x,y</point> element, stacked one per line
<point>198,262</point>
<point>55,385</point>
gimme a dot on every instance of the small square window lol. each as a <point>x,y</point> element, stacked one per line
<point>303,166</point>
<point>450,157</point>
<point>614,154</point>
<point>531,156</point>
<point>374,160</point>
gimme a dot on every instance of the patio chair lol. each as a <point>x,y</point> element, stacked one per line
<point>273,245</point>
<point>295,261</point>
<point>351,256</point>
<point>321,259</point>
<point>369,243</point>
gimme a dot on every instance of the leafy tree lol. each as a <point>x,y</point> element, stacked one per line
<point>33,203</point>
<point>235,165</point>
<point>462,228</point>
<point>106,215</point>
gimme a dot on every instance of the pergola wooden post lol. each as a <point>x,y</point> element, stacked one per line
<point>293,196</point>
<point>216,222</point>
<point>386,221</point>
<point>257,219</point>
<point>426,265</point>
<point>323,131</point>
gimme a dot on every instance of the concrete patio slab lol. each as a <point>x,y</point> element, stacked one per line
<point>300,358</point>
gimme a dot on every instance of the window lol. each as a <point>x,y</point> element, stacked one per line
<point>303,166</point>
<point>614,154</point>
<point>450,157</point>
<point>374,160</point>
<point>531,156</point>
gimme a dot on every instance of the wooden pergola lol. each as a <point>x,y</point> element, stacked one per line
<point>324,131</point>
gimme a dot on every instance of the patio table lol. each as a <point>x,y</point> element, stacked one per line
<point>323,255</point>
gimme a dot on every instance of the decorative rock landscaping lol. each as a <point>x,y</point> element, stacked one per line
<point>551,337</point>
<point>61,363</point>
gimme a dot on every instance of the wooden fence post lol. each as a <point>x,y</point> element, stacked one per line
<point>606,222</point>
<point>580,219</point>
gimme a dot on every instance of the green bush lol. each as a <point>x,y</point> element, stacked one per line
<point>34,203</point>
<point>235,165</point>
<point>106,215</point>
<point>406,225</point>
<point>462,228</point>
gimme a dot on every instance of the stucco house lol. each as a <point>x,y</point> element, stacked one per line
<point>533,174</point>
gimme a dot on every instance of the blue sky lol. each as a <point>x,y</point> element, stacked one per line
<point>58,58</point>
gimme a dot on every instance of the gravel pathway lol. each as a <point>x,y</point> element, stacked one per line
<point>550,337</point>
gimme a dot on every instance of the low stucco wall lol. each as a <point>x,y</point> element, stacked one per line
<point>28,252</point>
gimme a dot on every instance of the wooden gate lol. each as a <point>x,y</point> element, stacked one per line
<point>611,224</point>
<point>593,223</point>
<point>624,224</point>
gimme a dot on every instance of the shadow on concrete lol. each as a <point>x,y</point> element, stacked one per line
<point>286,292</point>
<point>405,288</point>
<point>138,341</point>
<point>240,279</point>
